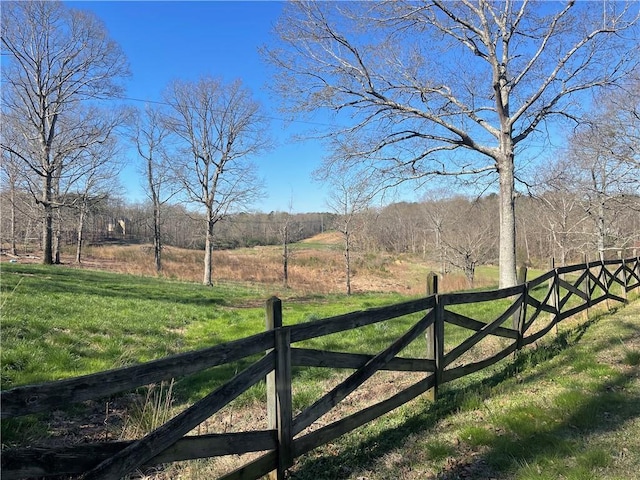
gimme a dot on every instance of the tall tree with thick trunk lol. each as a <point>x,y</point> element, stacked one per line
<point>433,88</point>
<point>57,58</point>
<point>219,127</point>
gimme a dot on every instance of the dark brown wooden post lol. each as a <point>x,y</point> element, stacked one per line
<point>283,403</point>
<point>273,320</point>
<point>623,272</point>
<point>605,280</point>
<point>432,289</point>
<point>439,342</point>
<point>636,263</point>
<point>520,314</point>
<point>554,285</point>
<point>279,412</point>
<point>587,284</point>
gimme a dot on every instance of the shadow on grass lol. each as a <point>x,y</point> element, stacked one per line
<point>547,442</point>
<point>72,281</point>
<point>522,440</point>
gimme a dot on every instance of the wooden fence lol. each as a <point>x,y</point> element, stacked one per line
<point>531,310</point>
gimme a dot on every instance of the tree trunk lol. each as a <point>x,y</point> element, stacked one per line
<point>80,236</point>
<point>47,236</point>
<point>347,258</point>
<point>285,256</point>
<point>601,227</point>
<point>57,236</point>
<point>208,249</point>
<point>157,241</point>
<point>14,250</point>
<point>507,259</point>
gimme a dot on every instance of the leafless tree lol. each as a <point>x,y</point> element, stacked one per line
<point>289,231</point>
<point>12,176</point>
<point>564,219</point>
<point>97,181</point>
<point>436,88</point>
<point>57,58</point>
<point>149,136</point>
<point>468,237</point>
<point>607,176</point>
<point>352,192</point>
<point>219,127</point>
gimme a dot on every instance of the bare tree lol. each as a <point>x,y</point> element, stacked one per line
<point>97,181</point>
<point>149,136</point>
<point>468,234</point>
<point>12,178</point>
<point>352,193</point>
<point>219,127</point>
<point>607,174</point>
<point>57,58</point>
<point>450,88</point>
<point>289,231</point>
<point>564,219</point>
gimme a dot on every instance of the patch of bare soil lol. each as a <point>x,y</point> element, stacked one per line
<point>468,464</point>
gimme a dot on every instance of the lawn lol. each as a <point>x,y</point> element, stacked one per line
<point>59,322</point>
<point>519,419</point>
<point>568,409</point>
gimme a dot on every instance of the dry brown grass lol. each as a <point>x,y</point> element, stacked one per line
<point>316,266</point>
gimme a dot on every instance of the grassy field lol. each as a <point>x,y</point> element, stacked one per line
<point>568,408</point>
<point>316,267</point>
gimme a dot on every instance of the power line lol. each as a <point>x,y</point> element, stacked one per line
<point>269,117</point>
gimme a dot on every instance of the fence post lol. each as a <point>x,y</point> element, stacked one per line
<point>430,333</point>
<point>604,279</point>
<point>636,266</point>
<point>520,314</point>
<point>554,297</point>
<point>636,263</point>
<point>279,410</point>
<point>587,282</point>
<point>438,342</point>
<point>623,271</point>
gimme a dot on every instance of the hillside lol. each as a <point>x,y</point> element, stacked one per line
<point>316,266</point>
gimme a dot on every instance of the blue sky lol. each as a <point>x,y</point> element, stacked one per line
<point>164,41</point>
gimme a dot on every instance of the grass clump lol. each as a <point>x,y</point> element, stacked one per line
<point>150,410</point>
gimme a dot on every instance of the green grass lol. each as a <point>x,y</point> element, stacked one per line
<point>60,322</point>
<point>568,409</point>
<point>557,410</point>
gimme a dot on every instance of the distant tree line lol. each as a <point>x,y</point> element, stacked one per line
<point>455,233</point>
<point>112,220</point>
<point>461,233</point>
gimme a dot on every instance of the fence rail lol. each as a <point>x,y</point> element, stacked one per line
<point>532,310</point>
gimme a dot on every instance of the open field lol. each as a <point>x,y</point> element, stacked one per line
<point>316,266</point>
<point>60,322</point>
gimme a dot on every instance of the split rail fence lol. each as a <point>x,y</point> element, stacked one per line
<point>531,310</point>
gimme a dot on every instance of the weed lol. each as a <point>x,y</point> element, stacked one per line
<point>632,357</point>
<point>150,411</point>
<point>475,436</point>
